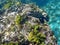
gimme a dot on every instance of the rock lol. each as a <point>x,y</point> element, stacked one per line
<point>29,16</point>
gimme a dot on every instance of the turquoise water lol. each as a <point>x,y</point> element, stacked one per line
<point>53,10</point>
<point>52,7</point>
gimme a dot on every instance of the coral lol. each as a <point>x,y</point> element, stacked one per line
<point>52,8</point>
<point>28,25</point>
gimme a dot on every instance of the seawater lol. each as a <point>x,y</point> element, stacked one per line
<point>53,10</point>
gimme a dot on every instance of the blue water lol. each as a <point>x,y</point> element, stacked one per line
<point>53,10</point>
<point>52,7</point>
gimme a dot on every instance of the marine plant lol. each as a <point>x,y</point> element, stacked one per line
<point>36,37</point>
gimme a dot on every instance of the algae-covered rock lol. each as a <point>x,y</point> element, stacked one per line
<point>27,25</point>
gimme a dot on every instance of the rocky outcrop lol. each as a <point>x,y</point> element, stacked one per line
<point>16,25</point>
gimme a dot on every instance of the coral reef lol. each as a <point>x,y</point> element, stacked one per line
<point>26,26</point>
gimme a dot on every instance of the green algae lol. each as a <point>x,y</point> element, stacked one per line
<point>36,36</point>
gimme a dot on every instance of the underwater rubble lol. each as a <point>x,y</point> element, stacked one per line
<point>26,26</point>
